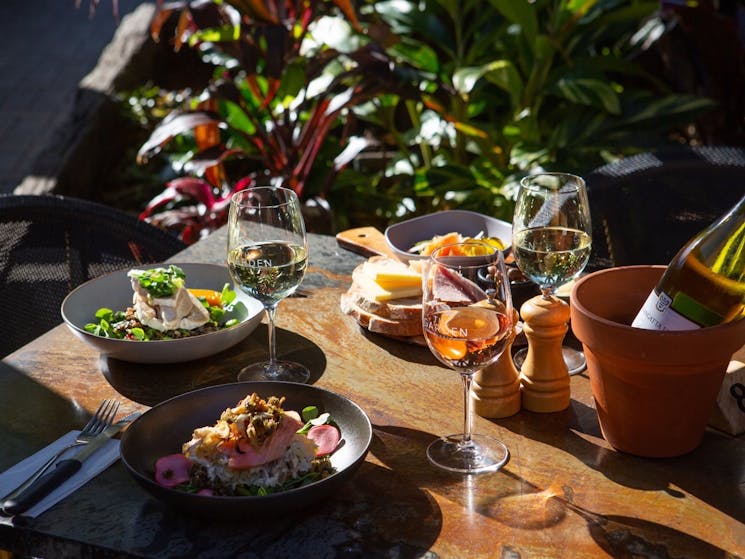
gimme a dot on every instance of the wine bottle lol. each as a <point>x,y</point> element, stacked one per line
<point>704,284</point>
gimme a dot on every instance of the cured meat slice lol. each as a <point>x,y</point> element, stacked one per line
<point>451,287</point>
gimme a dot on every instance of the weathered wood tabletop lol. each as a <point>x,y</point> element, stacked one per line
<point>564,492</point>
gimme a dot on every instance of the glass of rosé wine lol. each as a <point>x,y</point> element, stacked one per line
<point>467,321</point>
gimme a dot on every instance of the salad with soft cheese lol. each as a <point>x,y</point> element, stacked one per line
<point>255,448</point>
<point>163,308</point>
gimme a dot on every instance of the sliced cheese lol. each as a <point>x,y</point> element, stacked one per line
<point>379,293</point>
<point>392,275</point>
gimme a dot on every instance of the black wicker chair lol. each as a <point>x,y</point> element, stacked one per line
<point>645,207</point>
<point>51,244</point>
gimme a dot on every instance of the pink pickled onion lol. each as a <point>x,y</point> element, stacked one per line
<point>172,470</point>
<point>326,438</point>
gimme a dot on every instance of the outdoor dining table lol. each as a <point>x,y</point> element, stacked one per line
<point>564,492</point>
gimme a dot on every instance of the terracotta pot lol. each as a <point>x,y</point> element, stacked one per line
<point>654,391</point>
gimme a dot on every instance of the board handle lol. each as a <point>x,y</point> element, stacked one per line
<point>367,241</point>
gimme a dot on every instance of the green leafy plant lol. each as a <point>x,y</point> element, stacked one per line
<point>278,99</point>
<point>405,107</point>
<point>510,86</point>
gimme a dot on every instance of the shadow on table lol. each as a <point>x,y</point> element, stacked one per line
<point>692,472</point>
<point>150,384</point>
<point>406,350</point>
<point>513,501</point>
<point>375,514</point>
<point>618,535</point>
<point>46,417</point>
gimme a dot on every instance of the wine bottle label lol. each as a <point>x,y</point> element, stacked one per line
<point>661,312</point>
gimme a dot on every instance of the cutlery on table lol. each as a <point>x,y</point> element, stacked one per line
<point>100,420</point>
<point>42,486</point>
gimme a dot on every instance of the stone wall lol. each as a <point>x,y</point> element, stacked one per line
<point>93,138</point>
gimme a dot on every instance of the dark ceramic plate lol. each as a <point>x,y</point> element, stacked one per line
<point>164,428</point>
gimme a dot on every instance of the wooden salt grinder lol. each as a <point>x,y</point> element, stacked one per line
<point>496,388</point>
<point>544,376</point>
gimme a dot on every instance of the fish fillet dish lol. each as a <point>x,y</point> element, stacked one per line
<point>163,308</point>
<point>255,448</point>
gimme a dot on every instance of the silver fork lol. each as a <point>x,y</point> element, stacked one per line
<point>103,417</point>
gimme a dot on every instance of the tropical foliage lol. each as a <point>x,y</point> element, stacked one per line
<point>513,86</point>
<point>405,107</point>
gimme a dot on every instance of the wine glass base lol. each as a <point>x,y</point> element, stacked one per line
<point>286,371</point>
<point>574,359</point>
<point>482,454</point>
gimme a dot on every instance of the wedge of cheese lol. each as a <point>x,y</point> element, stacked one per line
<point>378,293</point>
<point>386,298</point>
<point>391,274</point>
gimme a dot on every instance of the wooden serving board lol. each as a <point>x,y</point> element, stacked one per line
<point>367,241</point>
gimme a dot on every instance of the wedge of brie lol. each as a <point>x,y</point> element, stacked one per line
<point>180,310</point>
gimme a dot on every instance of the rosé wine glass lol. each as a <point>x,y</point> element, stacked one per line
<point>467,322</point>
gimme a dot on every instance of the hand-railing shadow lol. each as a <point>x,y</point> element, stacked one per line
<point>151,384</point>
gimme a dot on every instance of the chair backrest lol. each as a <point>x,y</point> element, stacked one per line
<point>646,207</point>
<point>51,244</point>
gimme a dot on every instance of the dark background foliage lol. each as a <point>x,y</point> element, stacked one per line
<point>434,105</point>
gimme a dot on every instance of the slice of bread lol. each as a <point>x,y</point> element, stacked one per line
<point>381,324</point>
<point>394,311</point>
<point>407,308</point>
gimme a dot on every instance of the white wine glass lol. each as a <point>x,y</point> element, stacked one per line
<point>267,257</point>
<point>467,322</point>
<point>551,239</point>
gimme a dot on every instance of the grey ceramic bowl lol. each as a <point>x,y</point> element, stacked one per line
<point>402,236</point>
<point>114,291</point>
<point>164,428</point>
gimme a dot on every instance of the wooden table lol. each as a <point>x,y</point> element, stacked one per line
<point>605,503</point>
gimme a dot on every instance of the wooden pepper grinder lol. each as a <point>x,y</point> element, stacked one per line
<point>496,388</point>
<point>544,376</point>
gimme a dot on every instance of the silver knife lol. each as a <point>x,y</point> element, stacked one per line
<point>62,471</point>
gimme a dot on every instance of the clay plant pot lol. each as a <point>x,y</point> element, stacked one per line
<point>654,391</point>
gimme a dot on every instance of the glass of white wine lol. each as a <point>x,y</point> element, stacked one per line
<point>551,238</point>
<point>267,257</point>
<point>467,322</point>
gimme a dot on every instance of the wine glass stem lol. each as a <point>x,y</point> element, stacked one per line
<point>547,292</point>
<point>467,378</point>
<point>271,333</point>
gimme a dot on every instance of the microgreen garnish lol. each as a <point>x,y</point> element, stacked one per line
<point>312,418</point>
<point>162,282</point>
<point>114,324</point>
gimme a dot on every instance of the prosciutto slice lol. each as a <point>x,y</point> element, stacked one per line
<point>182,310</point>
<point>452,288</point>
